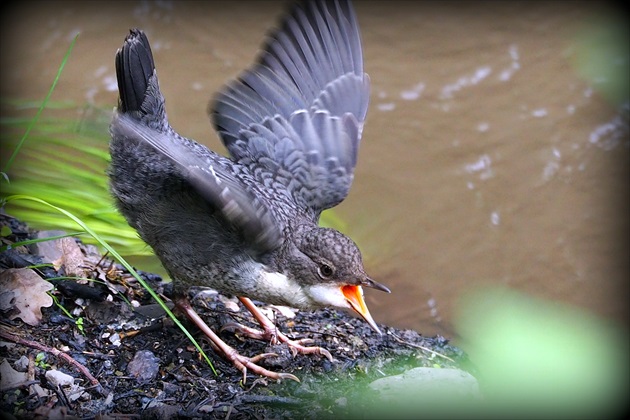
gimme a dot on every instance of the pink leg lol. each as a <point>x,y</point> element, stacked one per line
<point>242,363</point>
<point>271,333</point>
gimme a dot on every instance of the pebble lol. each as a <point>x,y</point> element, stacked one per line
<point>144,366</point>
<point>58,378</point>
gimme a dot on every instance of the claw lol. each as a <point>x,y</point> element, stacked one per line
<point>244,330</point>
<point>262,356</point>
<point>288,376</point>
<point>325,353</point>
<point>244,363</point>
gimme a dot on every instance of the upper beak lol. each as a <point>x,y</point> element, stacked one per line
<point>375,285</point>
<point>354,296</point>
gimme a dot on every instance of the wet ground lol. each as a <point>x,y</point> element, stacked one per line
<point>119,379</point>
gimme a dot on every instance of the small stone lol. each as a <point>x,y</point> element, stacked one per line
<point>21,364</point>
<point>205,409</point>
<point>115,339</point>
<point>144,366</point>
<point>58,378</point>
<point>435,390</point>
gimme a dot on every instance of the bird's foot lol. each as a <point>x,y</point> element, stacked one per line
<point>244,364</point>
<point>241,362</point>
<point>270,333</point>
<point>274,336</point>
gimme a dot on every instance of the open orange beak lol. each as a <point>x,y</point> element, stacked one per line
<point>354,296</point>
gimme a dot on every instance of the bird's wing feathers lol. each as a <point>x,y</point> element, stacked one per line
<point>218,187</point>
<point>301,107</point>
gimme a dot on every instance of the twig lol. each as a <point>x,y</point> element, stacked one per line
<point>55,352</point>
<point>21,385</point>
<point>400,340</point>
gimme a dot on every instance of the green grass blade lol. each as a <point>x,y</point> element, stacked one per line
<point>122,261</point>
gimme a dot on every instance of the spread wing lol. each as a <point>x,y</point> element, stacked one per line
<point>209,178</point>
<point>141,118</point>
<point>298,112</point>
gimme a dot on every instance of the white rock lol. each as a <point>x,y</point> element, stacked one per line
<point>425,390</point>
<point>58,378</point>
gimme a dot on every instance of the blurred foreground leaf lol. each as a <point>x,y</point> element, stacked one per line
<point>540,358</point>
<point>603,57</point>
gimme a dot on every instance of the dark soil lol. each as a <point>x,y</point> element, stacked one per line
<point>184,385</point>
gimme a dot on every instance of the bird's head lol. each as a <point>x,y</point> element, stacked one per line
<point>330,269</point>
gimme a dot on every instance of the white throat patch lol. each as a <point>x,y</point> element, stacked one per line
<point>278,289</point>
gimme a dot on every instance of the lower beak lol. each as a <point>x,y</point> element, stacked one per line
<point>354,296</point>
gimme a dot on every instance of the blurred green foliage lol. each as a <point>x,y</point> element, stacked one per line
<point>543,358</point>
<point>602,56</point>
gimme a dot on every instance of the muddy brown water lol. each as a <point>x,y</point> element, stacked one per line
<point>486,158</point>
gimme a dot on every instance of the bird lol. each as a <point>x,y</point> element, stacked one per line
<point>247,224</point>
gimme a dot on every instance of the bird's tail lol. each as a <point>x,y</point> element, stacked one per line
<point>139,92</point>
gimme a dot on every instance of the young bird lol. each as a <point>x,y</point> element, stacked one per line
<point>248,225</point>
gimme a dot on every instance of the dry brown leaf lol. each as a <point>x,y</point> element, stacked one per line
<point>62,252</point>
<point>49,250</point>
<point>10,377</point>
<point>27,292</point>
<point>71,257</point>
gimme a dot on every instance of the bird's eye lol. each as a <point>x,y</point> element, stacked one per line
<point>325,271</point>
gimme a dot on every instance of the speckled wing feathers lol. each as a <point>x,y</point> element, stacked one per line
<point>218,187</point>
<point>141,118</point>
<point>299,111</point>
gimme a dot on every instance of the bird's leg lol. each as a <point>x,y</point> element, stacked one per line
<point>271,333</point>
<point>241,362</point>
